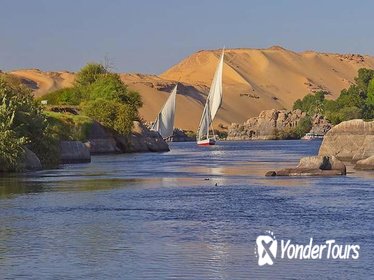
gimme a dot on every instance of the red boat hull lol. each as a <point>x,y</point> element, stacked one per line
<point>206,142</point>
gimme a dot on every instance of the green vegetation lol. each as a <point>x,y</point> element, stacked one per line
<point>11,148</point>
<point>311,104</point>
<point>102,96</point>
<point>221,134</point>
<point>355,102</point>
<point>190,134</point>
<point>65,96</point>
<point>69,126</point>
<point>303,127</point>
<point>89,74</point>
<point>112,114</point>
<point>23,123</point>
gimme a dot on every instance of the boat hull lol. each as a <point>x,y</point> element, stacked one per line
<point>310,137</point>
<point>206,142</point>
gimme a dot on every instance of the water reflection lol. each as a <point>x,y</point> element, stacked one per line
<point>147,216</point>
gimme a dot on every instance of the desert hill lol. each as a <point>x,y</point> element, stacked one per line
<point>43,82</point>
<point>254,80</point>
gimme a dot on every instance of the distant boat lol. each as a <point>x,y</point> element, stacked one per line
<point>312,136</point>
<point>212,104</point>
<point>164,122</point>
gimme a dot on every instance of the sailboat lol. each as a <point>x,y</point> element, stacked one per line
<point>164,122</point>
<point>212,104</point>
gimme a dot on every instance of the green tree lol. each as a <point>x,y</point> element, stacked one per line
<point>357,101</point>
<point>363,78</point>
<point>112,114</point>
<point>22,118</point>
<point>64,96</point>
<point>111,87</point>
<point>11,149</point>
<point>311,104</point>
<point>303,126</point>
<point>350,113</point>
<point>351,97</point>
<point>367,112</point>
<point>89,74</point>
<point>370,93</point>
<point>134,99</point>
<point>108,87</point>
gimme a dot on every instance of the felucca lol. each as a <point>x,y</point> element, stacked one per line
<point>164,122</point>
<point>205,133</point>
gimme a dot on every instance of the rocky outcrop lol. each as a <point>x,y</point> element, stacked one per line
<point>322,163</point>
<point>269,122</point>
<point>101,141</point>
<point>30,161</point>
<point>74,152</point>
<point>350,140</point>
<point>314,166</point>
<point>142,139</point>
<point>180,135</point>
<point>102,146</point>
<point>365,164</point>
<point>320,125</point>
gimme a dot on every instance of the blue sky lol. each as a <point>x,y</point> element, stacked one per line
<point>150,36</point>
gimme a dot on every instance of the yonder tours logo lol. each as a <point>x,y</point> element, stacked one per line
<point>268,249</point>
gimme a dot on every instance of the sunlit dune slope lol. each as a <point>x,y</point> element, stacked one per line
<point>258,79</point>
<point>254,80</point>
<point>43,82</point>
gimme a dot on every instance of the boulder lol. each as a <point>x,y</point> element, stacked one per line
<point>350,140</point>
<point>74,152</point>
<point>180,135</point>
<point>271,173</point>
<point>142,139</point>
<point>321,162</point>
<point>102,146</point>
<point>313,166</point>
<point>307,172</point>
<point>365,164</point>
<point>101,141</point>
<point>30,162</point>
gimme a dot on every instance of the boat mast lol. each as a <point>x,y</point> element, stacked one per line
<point>207,119</point>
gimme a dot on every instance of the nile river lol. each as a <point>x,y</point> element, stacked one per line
<point>192,213</point>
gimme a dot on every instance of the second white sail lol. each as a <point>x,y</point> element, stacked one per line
<point>164,122</point>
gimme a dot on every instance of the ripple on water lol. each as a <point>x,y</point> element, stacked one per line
<point>161,216</point>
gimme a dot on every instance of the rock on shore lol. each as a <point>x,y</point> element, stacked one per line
<point>365,164</point>
<point>268,122</point>
<point>350,140</point>
<point>180,136</point>
<point>101,140</point>
<point>30,162</point>
<point>314,166</point>
<point>74,152</point>
<point>141,139</point>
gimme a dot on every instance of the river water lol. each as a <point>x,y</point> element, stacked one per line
<point>192,213</point>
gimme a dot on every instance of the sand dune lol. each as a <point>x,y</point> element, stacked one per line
<point>257,79</point>
<point>254,80</point>
<point>43,82</point>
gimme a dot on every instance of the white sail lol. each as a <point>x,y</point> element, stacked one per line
<point>215,92</point>
<point>164,123</point>
<point>213,102</point>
